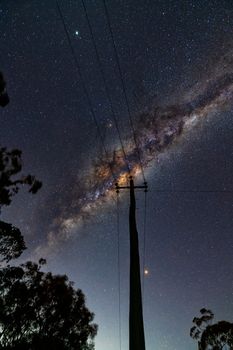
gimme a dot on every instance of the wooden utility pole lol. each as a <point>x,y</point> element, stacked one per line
<point>136,326</point>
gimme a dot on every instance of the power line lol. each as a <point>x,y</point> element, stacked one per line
<point>191,191</point>
<point>124,87</point>
<point>83,85</point>
<point>105,83</point>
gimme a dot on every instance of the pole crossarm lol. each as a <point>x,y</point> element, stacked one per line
<point>118,188</point>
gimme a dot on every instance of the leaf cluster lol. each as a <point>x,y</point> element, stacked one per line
<point>41,310</point>
<point>11,240</point>
<point>211,336</point>
<point>10,165</point>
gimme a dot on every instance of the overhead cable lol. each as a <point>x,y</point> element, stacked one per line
<point>84,85</point>
<point>105,84</point>
<point>124,87</point>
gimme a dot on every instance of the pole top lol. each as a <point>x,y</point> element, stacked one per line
<point>118,188</point>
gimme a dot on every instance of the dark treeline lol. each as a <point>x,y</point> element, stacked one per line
<point>38,310</point>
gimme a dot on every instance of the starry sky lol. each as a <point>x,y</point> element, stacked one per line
<point>176,63</point>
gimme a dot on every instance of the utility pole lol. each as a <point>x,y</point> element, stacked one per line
<point>136,325</point>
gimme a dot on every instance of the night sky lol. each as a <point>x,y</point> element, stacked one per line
<point>177,66</point>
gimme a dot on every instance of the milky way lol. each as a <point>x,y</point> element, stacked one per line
<point>156,131</point>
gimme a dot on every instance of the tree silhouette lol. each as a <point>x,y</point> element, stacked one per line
<point>11,240</point>
<point>216,336</point>
<point>10,166</point>
<point>39,310</point>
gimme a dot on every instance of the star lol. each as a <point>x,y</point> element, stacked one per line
<point>77,34</point>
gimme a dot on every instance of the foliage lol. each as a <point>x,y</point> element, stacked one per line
<point>11,240</point>
<point>39,310</point>
<point>10,165</point>
<point>216,336</point>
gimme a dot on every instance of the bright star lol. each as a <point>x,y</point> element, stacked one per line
<point>109,124</point>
